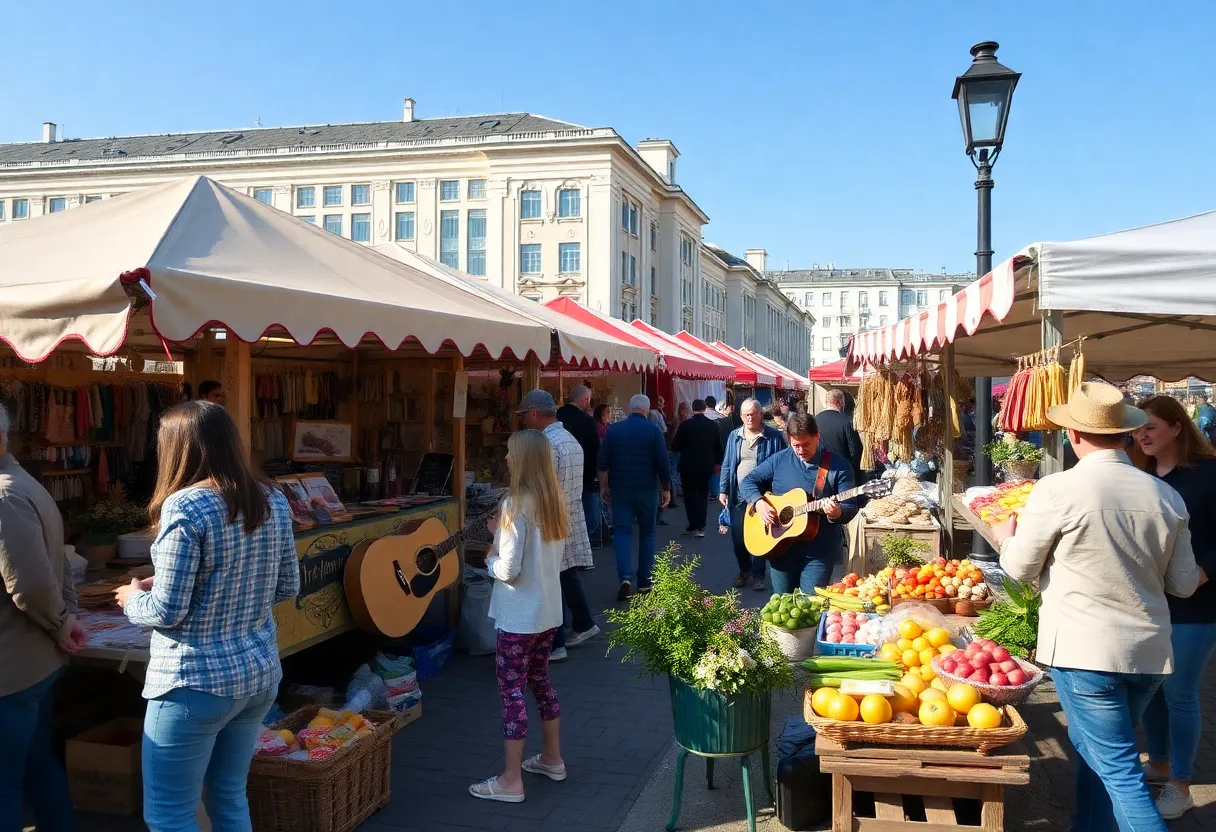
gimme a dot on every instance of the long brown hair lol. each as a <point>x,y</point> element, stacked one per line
<point>1192,444</point>
<point>534,487</point>
<point>198,442</point>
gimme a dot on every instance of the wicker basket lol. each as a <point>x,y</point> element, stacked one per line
<point>982,740</point>
<point>1016,471</point>
<point>962,468</point>
<point>332,795</point>
<point>997,694</point>
<point>796,645</point>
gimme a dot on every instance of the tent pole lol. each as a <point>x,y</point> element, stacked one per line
<point>1053,440</point>
<point>531,378</point>
<point>238,385</point>
<point>945,476</point>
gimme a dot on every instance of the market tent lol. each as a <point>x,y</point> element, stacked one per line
<point>834,371</point>
<point>745,372</point>
<point>727,369</point>
<point>579,343</point>
<point>675,359</point>
<point>793,379</point>
<point>198,246</point>
<point>778,380</point>
<point>1144,300</point>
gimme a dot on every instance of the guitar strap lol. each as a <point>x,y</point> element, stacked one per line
<point>821,479</point>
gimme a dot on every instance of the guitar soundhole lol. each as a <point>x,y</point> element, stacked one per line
<point>786,516</point>
<point>426,560</point>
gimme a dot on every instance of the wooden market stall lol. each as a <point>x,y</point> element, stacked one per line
<point>751,380</point>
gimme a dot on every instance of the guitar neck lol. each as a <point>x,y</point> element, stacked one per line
<point>820,505</point>
<point>464,534</point>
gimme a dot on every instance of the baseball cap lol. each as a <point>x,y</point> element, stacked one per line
<point>538,399</point>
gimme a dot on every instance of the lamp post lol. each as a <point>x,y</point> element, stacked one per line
<point>984,93</point>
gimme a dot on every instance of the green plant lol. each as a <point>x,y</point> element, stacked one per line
<point>1013,624</point>
<point>111,518</point>
<point>707,641</point>
<point>903,551</point>
<point>1019,451</point>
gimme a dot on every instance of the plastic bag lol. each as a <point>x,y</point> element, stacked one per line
<point>477,632</point>
<point>926,615</point>
<point>366,691</point>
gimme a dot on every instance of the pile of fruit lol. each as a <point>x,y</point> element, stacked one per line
<point>849,627</point>
<point>1007,500</point>
<point>793,611</point>
<point>960,705</point>
<point>985,662</point>
<point>940,578</point>
<point>915,651</point>
<point>872,588</point>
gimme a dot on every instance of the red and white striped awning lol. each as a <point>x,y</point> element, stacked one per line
<point>991,295</point>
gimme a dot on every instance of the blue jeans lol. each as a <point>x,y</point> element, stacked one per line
<point>192,738</point>
<point>713,486</point>
<point>1172,722</point>
<point>796,570</point>
<point>1102,711</point>
<point>594,515</point>
<point>630,505</point>
<point>29,759</point>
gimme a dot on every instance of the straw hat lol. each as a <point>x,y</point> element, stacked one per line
<point>1097,408</point>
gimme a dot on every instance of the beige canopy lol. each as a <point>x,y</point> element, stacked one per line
<point>213,256</point>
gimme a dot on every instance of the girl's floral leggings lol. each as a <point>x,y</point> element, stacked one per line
<point>523,659</point>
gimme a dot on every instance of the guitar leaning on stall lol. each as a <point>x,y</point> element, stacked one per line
<point>797,518</point>
<point>391,580</point>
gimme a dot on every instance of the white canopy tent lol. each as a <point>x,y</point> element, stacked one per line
<point>1144,300</point>
<point>212,256</point>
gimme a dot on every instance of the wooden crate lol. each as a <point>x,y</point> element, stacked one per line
<point>872,534</point>
<point>920,789</point>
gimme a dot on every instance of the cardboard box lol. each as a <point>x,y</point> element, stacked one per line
<point>412,714</point>
<point>104,768</point>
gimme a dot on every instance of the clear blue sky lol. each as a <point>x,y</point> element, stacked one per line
<point>823,132</point>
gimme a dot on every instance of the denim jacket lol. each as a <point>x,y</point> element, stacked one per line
<point>770,443</point>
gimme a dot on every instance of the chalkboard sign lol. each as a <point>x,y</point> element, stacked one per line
<point>434,474</point>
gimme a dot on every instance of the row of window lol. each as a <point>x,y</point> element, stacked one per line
<point>688,250</point>
<point>907,297</point>
<point>569,258</point>
<point>334,196</point>
<point>569,204</point>
<point>21,207</point>
<point>629,269</point>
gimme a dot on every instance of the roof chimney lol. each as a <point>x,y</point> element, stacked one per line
<point>757,258</point>
<point>409,110</point>
<point>48,132</point>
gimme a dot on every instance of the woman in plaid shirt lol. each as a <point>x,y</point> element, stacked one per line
<point>224,555</point>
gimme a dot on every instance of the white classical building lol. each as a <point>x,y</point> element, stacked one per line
<point>544,207</point>
<point>847,301</point>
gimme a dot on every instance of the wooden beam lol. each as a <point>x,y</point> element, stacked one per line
<point>238,385</point>
<point>1052,334</point>
<point>531,379</point>
<point>946,474</point>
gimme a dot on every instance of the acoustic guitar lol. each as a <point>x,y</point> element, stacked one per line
<point>391,580</point>
<point>797,518</point>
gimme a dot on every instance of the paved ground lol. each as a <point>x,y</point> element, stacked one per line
<point>616,737</point>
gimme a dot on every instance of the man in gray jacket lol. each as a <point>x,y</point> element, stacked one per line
<point>37,627</point>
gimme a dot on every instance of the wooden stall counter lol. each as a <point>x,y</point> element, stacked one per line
<point>318,613</point>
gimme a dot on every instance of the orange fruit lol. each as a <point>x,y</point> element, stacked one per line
<point>876,710</point>
<point>911,658</point>
<point>822,698</point>
<point>913,682</point>
<point>926,673</point>
<point>843,709</point>
<point>909,629</point>
<point>926,656</point>
<point>938,684</point>
<point>984,715</point>
<point>931,693</point>
<point>920,643</point>
<point>937,637</point>
<point>904,701</point>
<point>936,712</point>
<point>904,644</point>
<point>963,697</point>
<point>890,653</point>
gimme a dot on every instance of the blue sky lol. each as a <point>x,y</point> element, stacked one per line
<point>823,132</point>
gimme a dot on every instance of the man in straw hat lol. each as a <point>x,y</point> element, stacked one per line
<point>1105,542</point>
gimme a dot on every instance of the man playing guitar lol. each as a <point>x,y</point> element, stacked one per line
<point>807,563</point>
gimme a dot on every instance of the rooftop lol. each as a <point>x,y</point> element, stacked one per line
<point>726,257</point>
<point>266,140</point>
<point>896,277</point>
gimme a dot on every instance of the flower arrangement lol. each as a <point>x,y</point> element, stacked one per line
<point>707,641</point>
<point>111,517</point>
<point>1001,452</point>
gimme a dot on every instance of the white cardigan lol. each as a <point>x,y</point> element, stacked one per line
<point>527,596</point>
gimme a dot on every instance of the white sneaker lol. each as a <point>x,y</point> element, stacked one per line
<point>575,639</point>
<point>1171,804</point>
<point>558,654</point>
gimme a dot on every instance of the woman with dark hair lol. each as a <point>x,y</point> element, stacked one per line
<point>1172,447</point>
<point>602,414</point>
<point>224,555</point>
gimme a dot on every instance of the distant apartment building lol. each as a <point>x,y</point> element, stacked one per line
<point>847,301</point>
<point>542,207</point>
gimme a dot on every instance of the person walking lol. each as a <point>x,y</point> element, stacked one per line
<point>224,555</point>
<point>539,412</point>
<point>657,418</point>
<point>602,416</point>
<point>746,447</point>
<point>1171,447</point>
<point>699,448</point>
<point>683,414</point>
<point>576,417</point>
<point>836,432</point>
<point>635,478</point>
<point>820,473</point>
<point>723,425</point>
<point>38,627</point>
<point>526,605</point>
<point>1106,542</point>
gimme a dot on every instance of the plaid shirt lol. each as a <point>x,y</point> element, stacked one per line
<point>568,457</point>
<point>211,603</point>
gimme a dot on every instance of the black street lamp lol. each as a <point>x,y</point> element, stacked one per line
<point>984,93</point>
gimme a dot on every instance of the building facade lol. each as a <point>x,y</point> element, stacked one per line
<point>538,206</point>
<point>847,301</point>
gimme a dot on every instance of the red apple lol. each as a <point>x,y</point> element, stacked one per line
<point>1008,665</point>
<point>979,675</point>
<point>948,665</point>
<point>978,663</point>
<point>998,679</point>
<point>986,656</point>
<point>964,671</point>
<point>993,667</point>
<point>1000,654</point>
<point>1017,677</point>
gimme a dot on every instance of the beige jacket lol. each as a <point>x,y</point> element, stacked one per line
<point>1106,542</point>
<point>38,594</point>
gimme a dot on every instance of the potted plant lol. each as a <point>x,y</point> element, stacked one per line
<point>101,524</point>
<point>1018,458</point>
<point>721,665</point>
